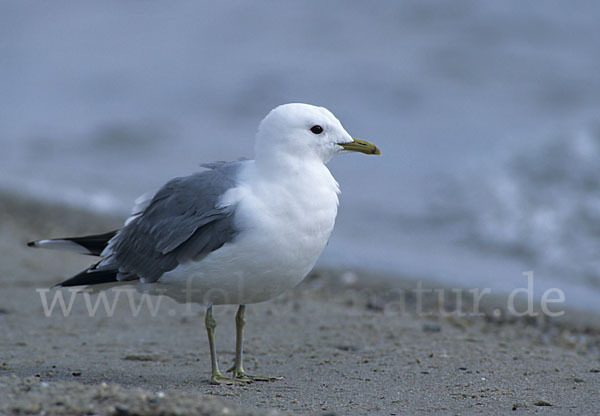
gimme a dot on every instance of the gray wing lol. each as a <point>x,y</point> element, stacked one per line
<point>182,222</point>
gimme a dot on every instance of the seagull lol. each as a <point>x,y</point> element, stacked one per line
<point>236,233</point>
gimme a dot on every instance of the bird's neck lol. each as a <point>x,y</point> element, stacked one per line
<point>303,174</point>
<point>284,163</point>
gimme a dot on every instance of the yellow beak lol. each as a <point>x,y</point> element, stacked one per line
<point>361,146</point>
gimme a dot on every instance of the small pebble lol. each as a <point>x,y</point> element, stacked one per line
<point>578,380</point>
<point>431,327</point>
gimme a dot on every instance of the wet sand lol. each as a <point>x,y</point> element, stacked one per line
<point>346,342</point>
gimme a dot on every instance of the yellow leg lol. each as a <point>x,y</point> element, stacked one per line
<point>238,369</point>
<point>216,377</point>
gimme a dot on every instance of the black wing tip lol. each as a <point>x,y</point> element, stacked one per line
<point>89,277</point>
<point>94,244</point>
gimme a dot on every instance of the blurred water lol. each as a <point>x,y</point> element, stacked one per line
<point>487,113</point>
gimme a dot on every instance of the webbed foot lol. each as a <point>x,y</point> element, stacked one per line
<point>249,378</point>
<point>220,379</point>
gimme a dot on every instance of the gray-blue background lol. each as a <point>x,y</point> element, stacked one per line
<point>487,113</point>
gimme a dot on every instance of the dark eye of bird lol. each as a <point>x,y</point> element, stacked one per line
<point>316,129</point>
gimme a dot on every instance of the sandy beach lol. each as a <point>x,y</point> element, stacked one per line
<point>346,342</point>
